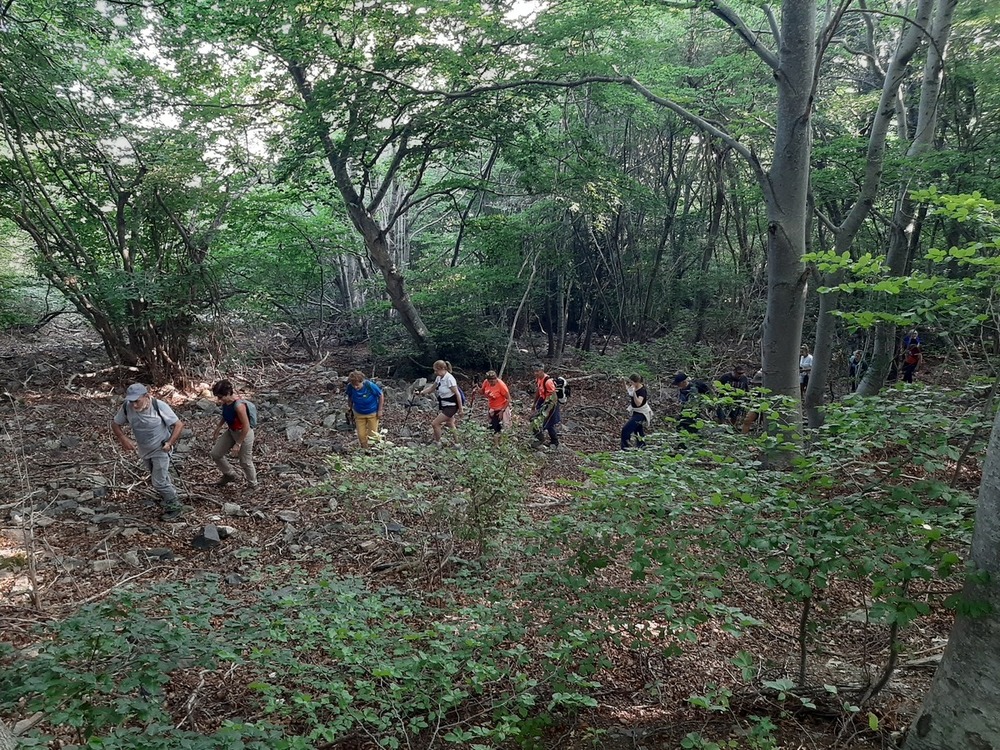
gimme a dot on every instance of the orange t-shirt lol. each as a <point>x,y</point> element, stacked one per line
<point>544,387</point>
<point>497,394</point>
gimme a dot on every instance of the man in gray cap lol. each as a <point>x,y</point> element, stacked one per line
<point>155,431</point>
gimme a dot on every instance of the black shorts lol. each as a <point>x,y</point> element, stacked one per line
<point>449,411</point>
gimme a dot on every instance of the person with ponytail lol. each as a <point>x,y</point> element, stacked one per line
<point>449,396</point>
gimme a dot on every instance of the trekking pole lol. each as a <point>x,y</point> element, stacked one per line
<point>409,408</point>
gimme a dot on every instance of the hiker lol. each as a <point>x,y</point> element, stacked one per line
<point>234,431</point>
<point>155,432</point>
<point>498,402</point>
<point>687,391</point>
<point>805,368</point>
<point>753,414</point>
<point>856,367</point>
<point>640,415</point>
<point>911,361</point>
<point>366,401</point>
<point>546,409</point>
<point>735,379</point>
<point>912,337</point>
<point>449,398</point>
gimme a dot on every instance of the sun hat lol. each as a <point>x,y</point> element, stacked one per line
<point>680,378</point>
<point>135,391</point>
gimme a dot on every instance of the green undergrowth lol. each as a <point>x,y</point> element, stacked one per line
<point>857,541</point>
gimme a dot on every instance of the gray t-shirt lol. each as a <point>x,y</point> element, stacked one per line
<point>149,429</point>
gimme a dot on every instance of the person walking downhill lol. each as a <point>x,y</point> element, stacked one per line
<point>640,415</point>
<point>546,409</point>
<point>498,403</point>
<point>233,432</point>
<point>366,400</point>
<point>856,367</point>
<point>449,398</point>
<point>911,361</point>
<point>155,432</point>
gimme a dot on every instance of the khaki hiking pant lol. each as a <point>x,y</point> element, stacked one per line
<point>220,454</point>
<point>367,426</point>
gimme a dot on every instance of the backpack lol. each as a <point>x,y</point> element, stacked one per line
<point>563,389</point>
<point>461,394</point>
<point>251,411</point>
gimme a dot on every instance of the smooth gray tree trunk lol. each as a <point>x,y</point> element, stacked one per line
<point>911,40</point>
<point>961,711</point>
<point>786,189</point>
<point>903,225</point>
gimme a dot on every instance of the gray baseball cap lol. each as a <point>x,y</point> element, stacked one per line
<point>135,391</point>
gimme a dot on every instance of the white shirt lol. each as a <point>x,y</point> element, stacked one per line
<point>444,384</point>
<point>805,366</point>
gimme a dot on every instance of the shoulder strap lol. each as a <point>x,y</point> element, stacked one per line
<point>156,408</point>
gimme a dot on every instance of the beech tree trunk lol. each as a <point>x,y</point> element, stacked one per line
<point>962,707</point>
<point>845,233</point>
<point>785,190</point>
<point>903,226</point>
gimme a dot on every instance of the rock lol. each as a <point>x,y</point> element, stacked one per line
<point>67,493</point>
<point>369,545</point>
<point>99,492</point>
<point>226,531</point>
<point>130,531</point>
<point>289,516</point>
<point>234,579</point>
<point>295,548</point>
<point>233,509</point>
<point>295,433</point>
<point>159,554</point>
<point>105,565</point>
<point>290,533</point>
<point>68,563</point>
<point>208,538</point>
<point>42,521</point>
<point>394,528</point>
<point>207,405</point>
<point>332,503</point>
<point>83,510</point>
<point>106,518</point>
<point>69,441</point>
<point>63,506</point>
<point>132,559</point>
<point>332,421</point>
<point>311,537</point>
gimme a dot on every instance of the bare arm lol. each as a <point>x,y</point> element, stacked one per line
<point>121,437</point>
<point>175,435</point>
<point>241,412</point>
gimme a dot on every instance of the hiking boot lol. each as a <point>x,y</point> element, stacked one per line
<point>174,512</point>
<point>226,479</point>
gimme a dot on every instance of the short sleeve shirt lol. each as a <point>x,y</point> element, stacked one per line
<point>148,428</point>
<point>497,394</point>
<point>364,400</point>
<point>640,394</point>
<point>445,384</point>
